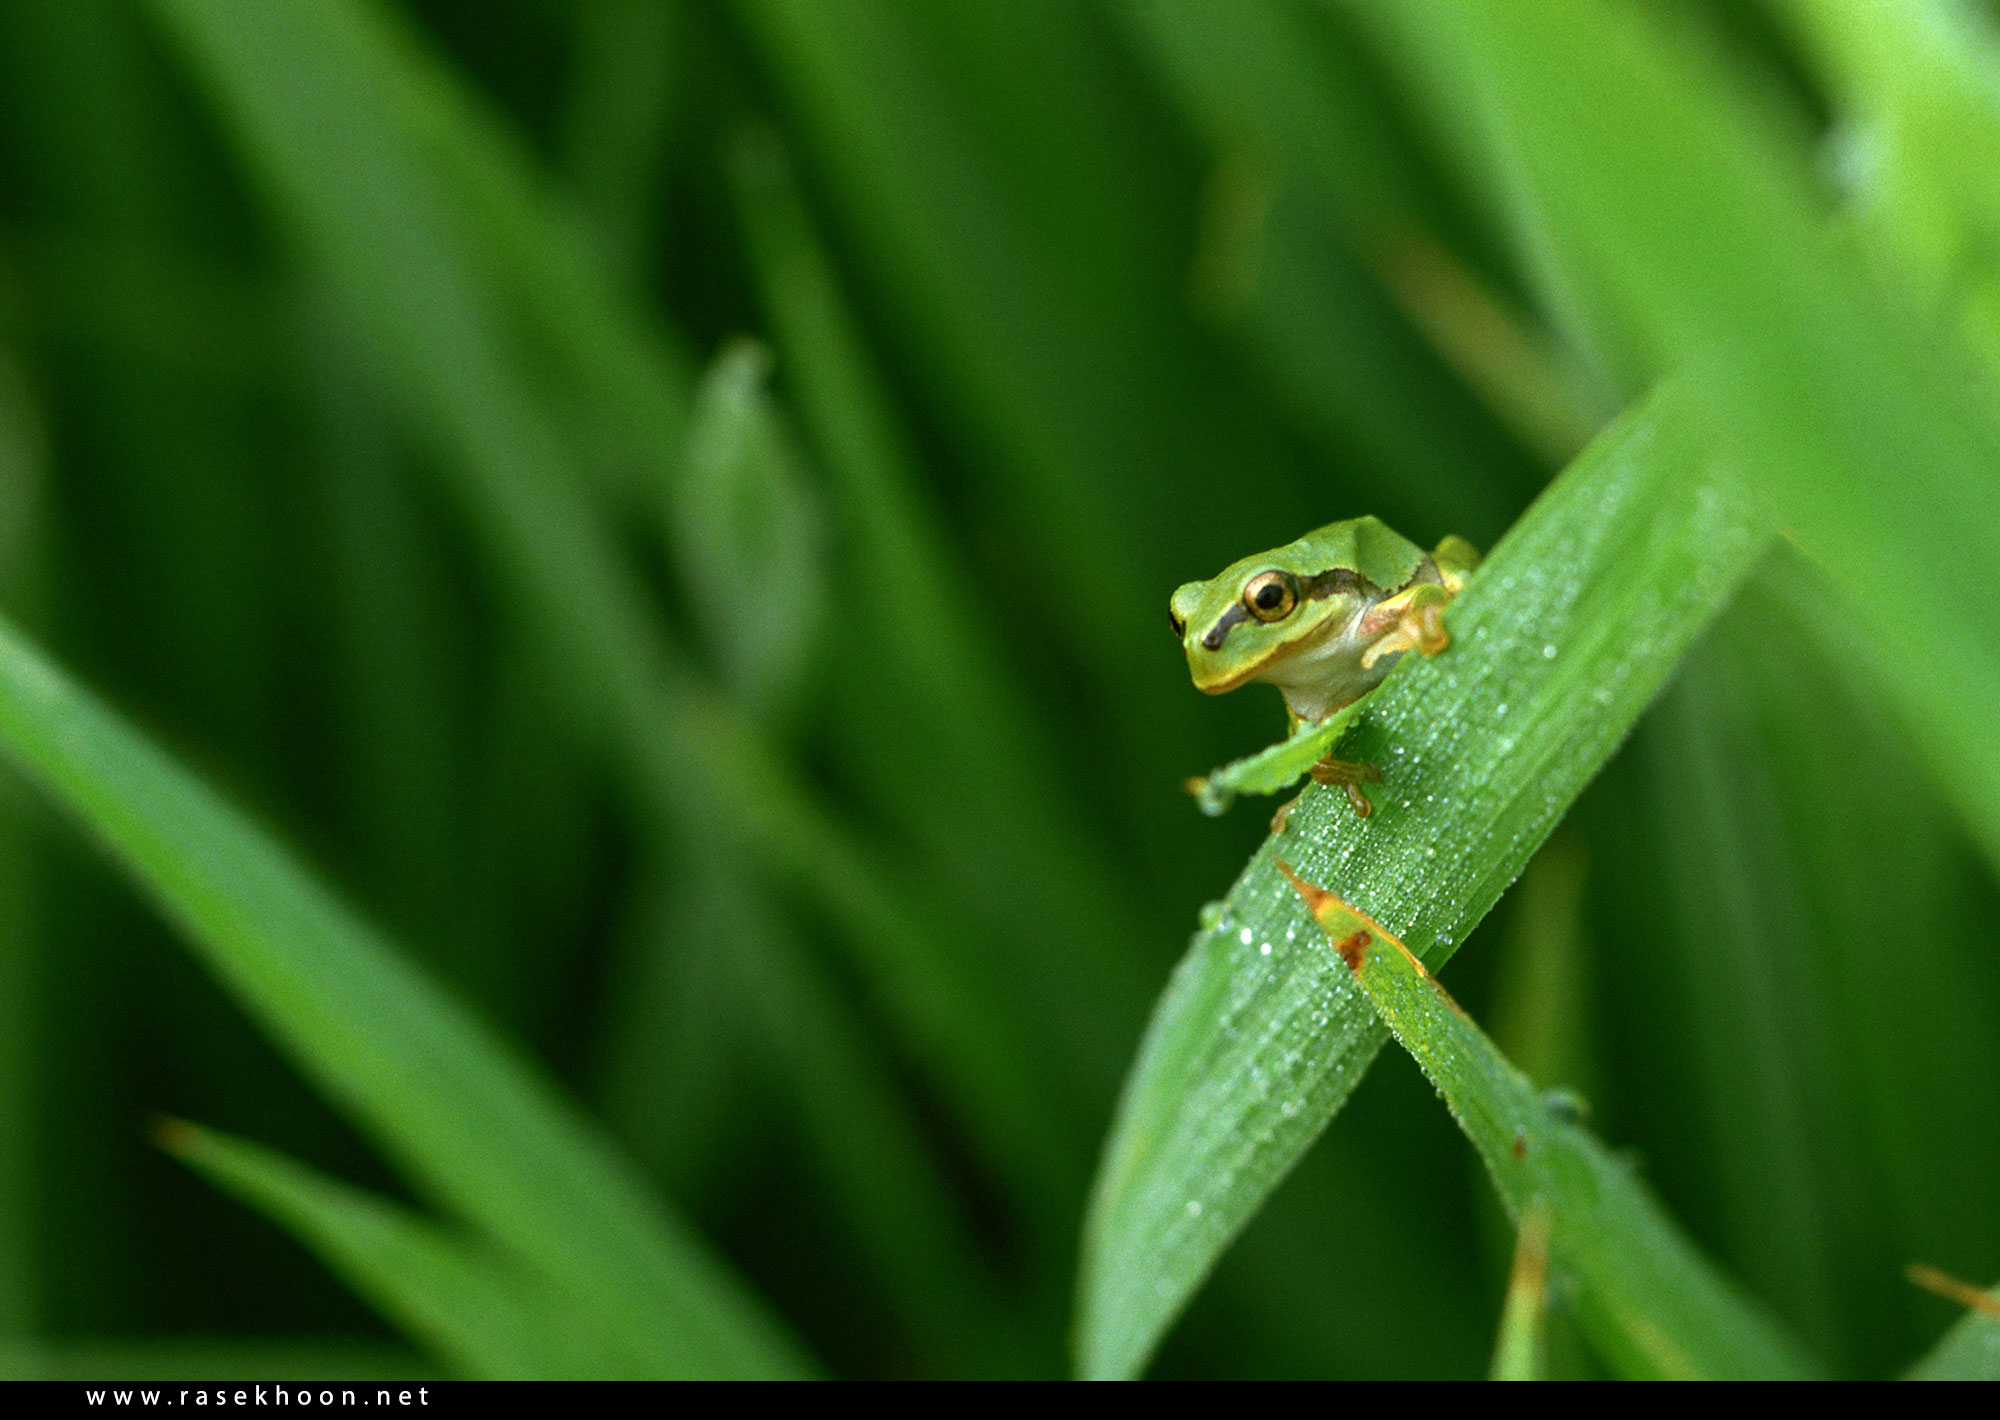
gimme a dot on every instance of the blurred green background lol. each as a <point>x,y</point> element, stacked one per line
<point>670,506</point>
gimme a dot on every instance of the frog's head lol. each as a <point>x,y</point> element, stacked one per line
<point>1251,621</point>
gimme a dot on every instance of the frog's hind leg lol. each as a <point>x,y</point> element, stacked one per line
<point>1410,620</point>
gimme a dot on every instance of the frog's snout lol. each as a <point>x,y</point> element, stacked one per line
<point>1181,608</point>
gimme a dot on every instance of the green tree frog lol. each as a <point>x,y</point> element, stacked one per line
<point>1323,619</point>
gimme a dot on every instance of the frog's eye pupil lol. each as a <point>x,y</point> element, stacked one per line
<point>1269,596</point>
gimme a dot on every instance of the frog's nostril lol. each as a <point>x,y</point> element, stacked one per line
<point>1213,640</point>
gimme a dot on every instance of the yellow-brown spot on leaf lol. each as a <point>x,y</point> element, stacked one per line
<point>1946,1285</point>
<point>1349,928</point>
<point>1316,898</point>
<point>1530,1276</point>
<point>176,1136</point>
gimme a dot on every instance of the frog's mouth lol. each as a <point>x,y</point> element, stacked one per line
<point>1208,681</point>
<point>1225,683</point>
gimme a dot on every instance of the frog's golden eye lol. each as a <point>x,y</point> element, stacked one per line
<point>1174,620</point>
<point>1270,596</point>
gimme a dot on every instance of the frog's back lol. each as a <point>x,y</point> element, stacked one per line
<point>1376,551</point>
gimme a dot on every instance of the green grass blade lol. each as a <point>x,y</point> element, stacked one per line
<point>1688,228</point>
<point>1542,1002</point>
<point>1918,86</point>
<point>940,691</point>
<point>777,1003</point>
<point>1521,1353</point>
<point>403,692</point>
<point>1560,642</point>
<point>626,93</point>
<point>745,513</point>
<point>1032,272</point>
<point>1653,1306</point>
<point>403,208</point>
<point>305,1358</point>
<point>157,306</point>
<point>885,1173</point>
<point>670,1074</point>
<point>397,137</point>
<point>22,1059</point>
<point>482,1130</point>
<point>478,1310</point>
<point>1970,1351</point>
<point>1803,1137</point>
<point>1303,150</point>
<point>747,516</point>
<point>24,939</point>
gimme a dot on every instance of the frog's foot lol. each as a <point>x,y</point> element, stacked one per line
<point>1347,775</point>
<point>1284,814</point>
<point>1413,620</point>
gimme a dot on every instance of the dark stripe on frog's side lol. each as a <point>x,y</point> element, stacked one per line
<point>1334,583</point>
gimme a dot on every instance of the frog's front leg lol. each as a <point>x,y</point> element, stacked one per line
<point>1410,620</point>
<point>1348,774</point>
<point>1345,773</point>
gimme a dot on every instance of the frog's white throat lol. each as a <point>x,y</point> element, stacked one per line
<point>1323,672</point>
